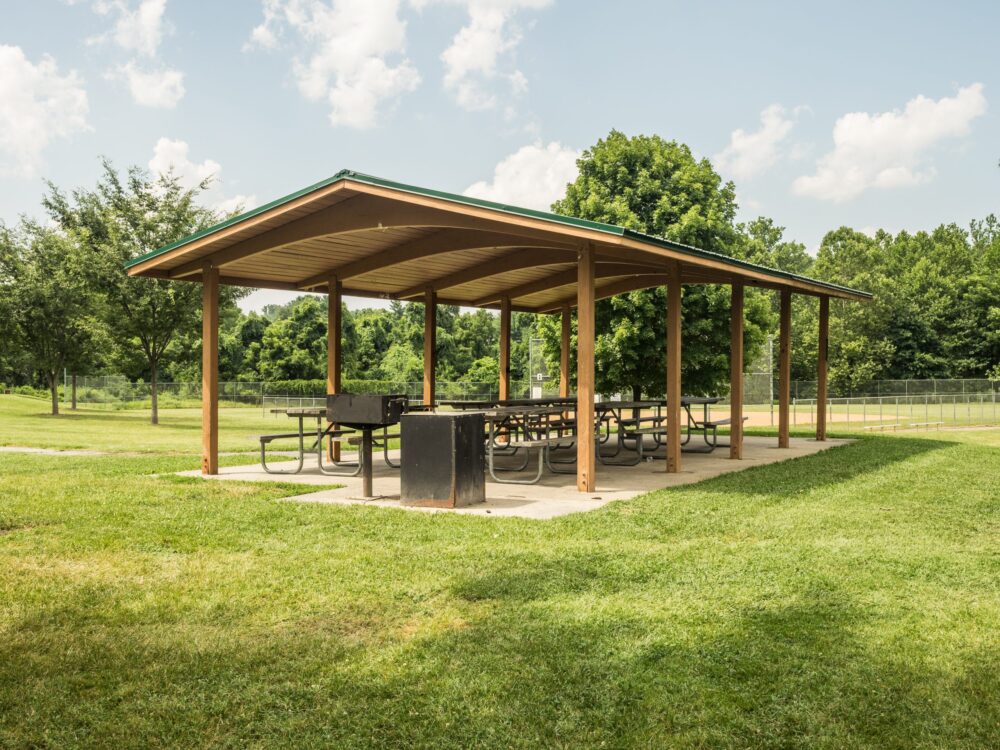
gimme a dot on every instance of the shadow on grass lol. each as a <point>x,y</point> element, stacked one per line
<point>799,672</point>
<point>829,467</point>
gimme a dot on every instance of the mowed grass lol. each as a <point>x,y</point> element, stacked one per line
<point>848,599</point>
<point>26,422</point>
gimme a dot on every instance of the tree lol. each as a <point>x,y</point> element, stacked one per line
<point>655,186</point>
<point>121,220</point>
<point>47,302</point>
<point>484,370</point>
<point>294,347</point>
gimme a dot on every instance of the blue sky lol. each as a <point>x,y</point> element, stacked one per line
<point>865,114</point>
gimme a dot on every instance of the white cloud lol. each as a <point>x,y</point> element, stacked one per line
<point>348,46</point>
<point>749,154</point>
<point>154,88</point>
<point>171,155</point>
<point>532,177</point>
<point>37,105</point>
<point>890,149</point>
<point>472,61</point>
<point>138,29</point>
<point>238,203</point>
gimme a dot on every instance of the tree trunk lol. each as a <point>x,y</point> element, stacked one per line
<point>54,390</point>
<point>153,394</point>
<point>637,396</point>
<point>73,404</point>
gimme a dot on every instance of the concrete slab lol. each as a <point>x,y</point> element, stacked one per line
<point>555,495</point>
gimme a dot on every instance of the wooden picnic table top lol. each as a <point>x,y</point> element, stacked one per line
<point>609,405</point>
<point>302,411</point>
<point>649,403</point>
<point>466,405</point>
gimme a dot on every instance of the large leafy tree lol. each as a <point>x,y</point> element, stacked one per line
<point>937,297</point>
<point>294,347</point>
<point>48,305</point>
<point>121,219</point>
<point>651,185</point>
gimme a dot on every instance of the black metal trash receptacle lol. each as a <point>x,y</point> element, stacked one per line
<point>443,459</point>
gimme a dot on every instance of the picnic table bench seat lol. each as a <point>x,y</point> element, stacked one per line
<point>543,445</point>
<point>266,440</point>
<point>707,428</point>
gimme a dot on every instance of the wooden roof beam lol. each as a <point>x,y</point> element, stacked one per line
<point>517,260</point>
<point>359,213</point>
<point>621,286</point>
<point>445,241</point>
<point>563,278</point>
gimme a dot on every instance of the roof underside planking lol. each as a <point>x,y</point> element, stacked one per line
<point>391,241</point>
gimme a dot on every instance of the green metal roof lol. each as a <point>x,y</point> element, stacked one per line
<point>611,229</point>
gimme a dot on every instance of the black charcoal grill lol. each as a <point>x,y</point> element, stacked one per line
<point>365,413</point>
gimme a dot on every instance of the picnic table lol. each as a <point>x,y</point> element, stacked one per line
<point>483,405</point>
<point>540,428</point>
<point>332,432</point>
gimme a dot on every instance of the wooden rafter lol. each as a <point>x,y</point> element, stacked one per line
<point>620,286</point>
<point>444,241</point>
<point>514,261</point>
<point>358,214</point>
<point>564,278</point>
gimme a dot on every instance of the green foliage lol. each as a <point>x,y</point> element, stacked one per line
<point>935,309</point>
<point>651,185</point>
<point>117,221</point>
<point>294,347</point>
<point>484,370</point>
<point>47,305</point>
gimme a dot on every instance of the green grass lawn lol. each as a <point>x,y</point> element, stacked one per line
<point>26,421</point>
<point>848,599</point>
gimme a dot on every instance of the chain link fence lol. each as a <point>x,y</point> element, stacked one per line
<point>116,392</point>
<point>869,404</point>
<point>904,412</point>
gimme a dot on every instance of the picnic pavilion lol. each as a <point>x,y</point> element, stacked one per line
<point>364,236</point>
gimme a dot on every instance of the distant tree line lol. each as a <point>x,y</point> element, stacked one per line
<point>67,304</point>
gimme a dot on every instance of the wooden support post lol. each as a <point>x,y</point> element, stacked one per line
<point>564,353</point>
<point>333,348</point>
<point>209,369</point>
<point>824,340</point>
<point>586,458</point>
<point>430,346</point>
<point>504,348</point>
<point>673,461</point>
<point>784,367</point>
<point>736,373</point>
